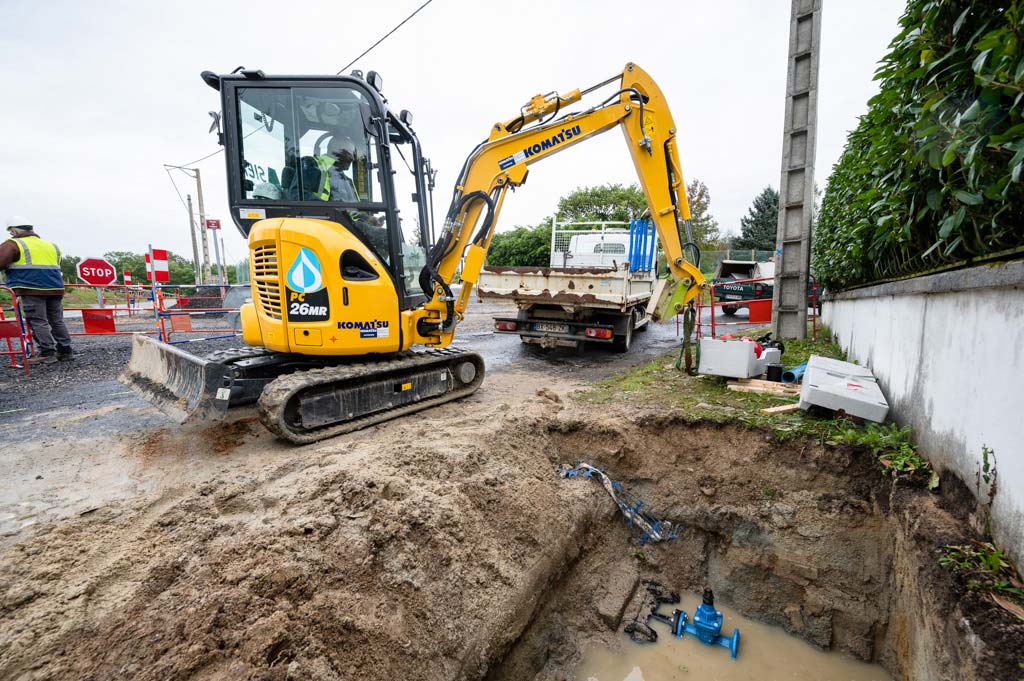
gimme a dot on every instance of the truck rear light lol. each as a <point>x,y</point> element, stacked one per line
<point>505,326</point>
<point>757,290</point>
<point>597,333</point>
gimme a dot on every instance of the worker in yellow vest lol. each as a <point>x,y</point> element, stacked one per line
<point>32,266</point>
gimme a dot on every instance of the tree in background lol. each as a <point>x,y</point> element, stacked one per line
<point>522,246</point>
<point>759,227</point>
<point>531,246</point>
<point>605,203</point>
<point>69,268</point>
<point>702,224</point>
<point>126,261</point>
<point>180,269</point>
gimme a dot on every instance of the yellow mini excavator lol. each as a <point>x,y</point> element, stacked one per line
<point>346,273</point>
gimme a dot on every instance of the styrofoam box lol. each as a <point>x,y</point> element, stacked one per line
<point>733,359</point>
<point>833,384</point>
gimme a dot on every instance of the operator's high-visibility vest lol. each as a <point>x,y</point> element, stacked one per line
<point>324,163</point>
<point>37,267</point>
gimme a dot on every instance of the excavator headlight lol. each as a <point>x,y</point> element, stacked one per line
<point>406,117</point>
<point>375,81</point>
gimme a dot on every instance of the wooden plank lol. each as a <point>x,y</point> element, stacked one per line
<point>760,391</point>
<point>755,383</point>
<point>765,384</point>
<point>763,387</point>
<point>782,409</point>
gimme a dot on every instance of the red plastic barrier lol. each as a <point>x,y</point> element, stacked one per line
<point>98,321</point>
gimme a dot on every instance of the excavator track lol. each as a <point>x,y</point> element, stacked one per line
<point>314,404</point>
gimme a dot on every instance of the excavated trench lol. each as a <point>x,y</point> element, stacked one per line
<point>424,552</point>
<point>808,538</point>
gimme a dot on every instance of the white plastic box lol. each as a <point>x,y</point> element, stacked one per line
<point>733,358</point>
<point>833,384</point>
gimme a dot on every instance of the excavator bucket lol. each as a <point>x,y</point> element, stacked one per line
<point>183,386</point>
<point>670,297</point>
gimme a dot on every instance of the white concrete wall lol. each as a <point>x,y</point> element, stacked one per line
<point>952,366</point>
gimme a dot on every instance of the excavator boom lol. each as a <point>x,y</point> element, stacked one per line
<point>500,163</point>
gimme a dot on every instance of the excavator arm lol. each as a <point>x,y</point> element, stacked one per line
<point>501,162</point>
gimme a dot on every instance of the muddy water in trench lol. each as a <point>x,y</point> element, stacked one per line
<point>766,653</point>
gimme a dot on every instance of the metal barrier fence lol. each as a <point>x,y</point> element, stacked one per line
<point>589,244</point>
<point>15,327</point>
<point>176,310</point>
<point>759,308</point>
<point>115,300</point>
<point>165,310</point>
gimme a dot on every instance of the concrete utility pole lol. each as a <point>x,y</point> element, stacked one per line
<point>192,232</point>
<point>202,228</point>
<point>796,188</point>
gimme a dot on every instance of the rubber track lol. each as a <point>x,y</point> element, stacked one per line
<point>276,396</point>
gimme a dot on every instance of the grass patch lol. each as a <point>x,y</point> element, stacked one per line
<point>707,398</point>
<point>891,445</point>
<point>986,568</point>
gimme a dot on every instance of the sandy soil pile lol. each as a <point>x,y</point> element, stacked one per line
<point>401,552</point>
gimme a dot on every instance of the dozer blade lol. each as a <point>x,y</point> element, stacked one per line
<point>183,386</point>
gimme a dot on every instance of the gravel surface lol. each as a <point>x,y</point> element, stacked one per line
<point>98,361</point>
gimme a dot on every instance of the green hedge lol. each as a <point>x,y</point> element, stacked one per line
<point>931,177</point>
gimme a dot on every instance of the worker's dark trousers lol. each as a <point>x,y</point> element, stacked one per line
<point>45,315</point>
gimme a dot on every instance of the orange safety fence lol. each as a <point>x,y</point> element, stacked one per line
<point>180,316</point>
<point>112,301</point>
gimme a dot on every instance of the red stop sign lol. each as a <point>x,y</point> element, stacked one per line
<point>97,272</point>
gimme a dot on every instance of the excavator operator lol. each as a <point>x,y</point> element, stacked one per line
<point>341,152</point>
<point>338,186</point>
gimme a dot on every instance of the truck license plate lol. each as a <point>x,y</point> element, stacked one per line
<point>551,328</point>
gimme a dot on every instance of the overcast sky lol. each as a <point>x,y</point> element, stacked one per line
<point>98,95</point>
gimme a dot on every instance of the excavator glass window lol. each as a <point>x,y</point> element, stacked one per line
<point>306,144</point>
<point>309,144</point>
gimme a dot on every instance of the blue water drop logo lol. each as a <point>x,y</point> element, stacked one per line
<point>305,275</point>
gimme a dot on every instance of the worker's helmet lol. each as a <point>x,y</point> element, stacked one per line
<point>18,222</point>
<point>339,144</point>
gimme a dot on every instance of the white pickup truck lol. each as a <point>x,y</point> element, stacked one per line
<point>595,291</point>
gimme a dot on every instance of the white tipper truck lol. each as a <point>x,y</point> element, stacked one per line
<point>596,288</point>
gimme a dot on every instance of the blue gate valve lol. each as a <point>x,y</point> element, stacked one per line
<point>707,625</point>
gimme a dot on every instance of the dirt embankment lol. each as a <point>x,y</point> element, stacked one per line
<point>447,548</point>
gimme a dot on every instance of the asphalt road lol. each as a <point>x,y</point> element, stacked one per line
<point>54,398</point>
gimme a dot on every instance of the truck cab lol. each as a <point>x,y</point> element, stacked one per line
<point>594,249</point>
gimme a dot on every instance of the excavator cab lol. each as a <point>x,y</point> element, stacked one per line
<point>328,148</point>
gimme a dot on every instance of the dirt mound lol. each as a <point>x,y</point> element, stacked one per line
<point>388,555</point>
